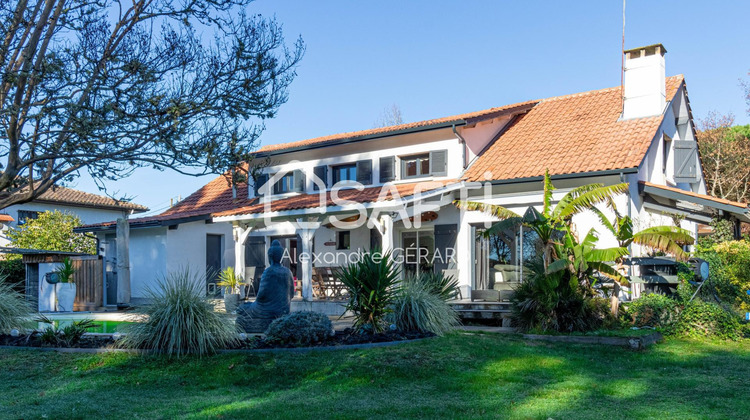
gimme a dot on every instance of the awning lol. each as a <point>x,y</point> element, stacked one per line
<point>696,207</point>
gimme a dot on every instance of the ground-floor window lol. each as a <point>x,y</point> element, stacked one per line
<point>499,257</point>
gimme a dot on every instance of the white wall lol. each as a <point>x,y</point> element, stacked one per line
<point>186,245</point>
<point>403,145</point>
<point>148,259</point>
<point>47,294</point>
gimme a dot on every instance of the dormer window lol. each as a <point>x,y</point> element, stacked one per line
<point>343,173</point>
<point>415,166</point>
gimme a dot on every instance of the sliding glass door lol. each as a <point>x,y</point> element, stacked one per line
<point>419,252</point>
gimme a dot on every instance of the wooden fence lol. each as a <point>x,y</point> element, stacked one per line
<point>89,283</point>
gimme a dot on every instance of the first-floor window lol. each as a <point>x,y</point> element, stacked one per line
<point>415,166</point>
<point>344,173</point>
<point>24,215</point>
<point>285,184</point>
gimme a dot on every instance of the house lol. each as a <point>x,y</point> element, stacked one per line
<point>90,208</point>
<point>329,198</point>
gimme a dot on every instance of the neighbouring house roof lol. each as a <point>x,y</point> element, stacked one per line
<point>459,119</point>
<point>6,218</point>
<point>570,134</point>
<point>71,197</point>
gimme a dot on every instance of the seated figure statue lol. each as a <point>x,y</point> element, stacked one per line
<point>274,295</point>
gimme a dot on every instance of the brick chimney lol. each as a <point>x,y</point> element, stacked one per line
<point>644,86</point>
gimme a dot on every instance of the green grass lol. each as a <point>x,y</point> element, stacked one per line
<point>457,376</point>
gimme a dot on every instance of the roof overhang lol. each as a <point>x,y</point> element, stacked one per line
<point>697,207</point>
<point>135,224</point>
<point>434,198</point>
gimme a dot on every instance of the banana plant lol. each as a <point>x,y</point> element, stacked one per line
<point>667,239</point>
<point>552,221</point>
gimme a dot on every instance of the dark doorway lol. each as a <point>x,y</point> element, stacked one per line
<point>110,269</point>
<point>289,243</point>
<point>213,264</point>
<point>255,259</point>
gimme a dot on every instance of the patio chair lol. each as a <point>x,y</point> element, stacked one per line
<point>249,282</point>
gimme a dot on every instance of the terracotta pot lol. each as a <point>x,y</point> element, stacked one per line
<point>66,296</point>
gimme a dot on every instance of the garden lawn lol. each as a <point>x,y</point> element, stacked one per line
<point>458,376</point>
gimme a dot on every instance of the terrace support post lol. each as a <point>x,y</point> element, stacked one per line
<point>123,261</point>
<point>306,231</point>
<point>240,234</point>
<point>385,227</point>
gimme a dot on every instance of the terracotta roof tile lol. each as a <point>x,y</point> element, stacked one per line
<point>570,134</point>
<point>385,130</point>
<point>6,218</point>
<point>63,195</point>
<point>367,195</point>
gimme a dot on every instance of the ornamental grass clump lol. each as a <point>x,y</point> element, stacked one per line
<point>418,307</point>
<point>14,310</point>
<point>181,320</point>
<point>440,285</point>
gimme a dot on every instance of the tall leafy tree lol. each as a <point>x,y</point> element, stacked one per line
<point>107,86</point>
<point>52,231</point>
<point>725,154</point>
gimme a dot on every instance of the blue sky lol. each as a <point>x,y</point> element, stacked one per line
<point>438,58</point>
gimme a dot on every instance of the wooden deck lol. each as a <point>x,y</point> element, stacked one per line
<point>483,311</point>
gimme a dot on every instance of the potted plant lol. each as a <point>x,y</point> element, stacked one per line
<point>65,288</point>
<point>231,282</point>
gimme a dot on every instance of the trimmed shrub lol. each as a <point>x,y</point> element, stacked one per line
<point>181,320</point>
<point>418,308</point>
<point>701,319</point>
<point>372,283</point>
<point>14,310</point>
<point>652,310</point>
<point>300,329</point>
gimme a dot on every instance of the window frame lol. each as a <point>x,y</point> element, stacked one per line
<point>349,167</point>
<point>27,214</point>
<point>340,235</point>
<point>288,180</point>
<point>418,158</point>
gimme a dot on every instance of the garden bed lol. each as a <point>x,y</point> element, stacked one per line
<point>342,339</point>
<point>633,342</point>
<point>88,341</point>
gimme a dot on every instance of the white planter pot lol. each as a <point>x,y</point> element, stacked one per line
<point>231,302</point>
<point>66,295</point>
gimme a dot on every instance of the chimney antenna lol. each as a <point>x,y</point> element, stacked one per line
<point>622,61</point>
